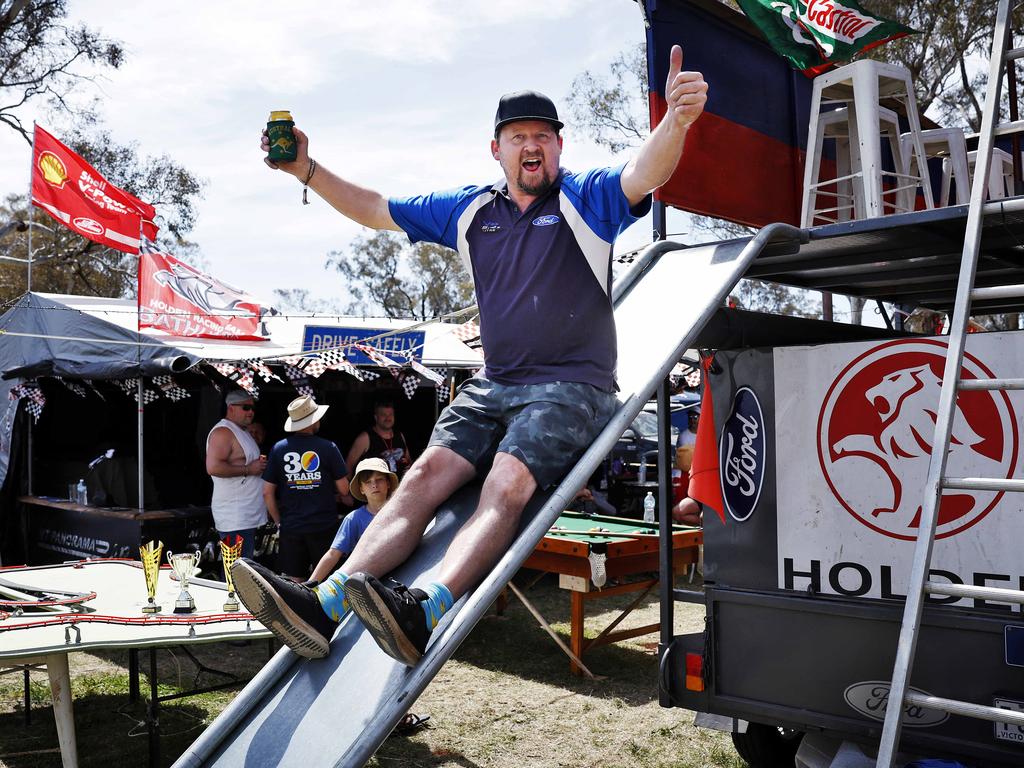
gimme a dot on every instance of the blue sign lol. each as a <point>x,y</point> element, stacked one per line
<point>742,455</point>
<point>398,345</point>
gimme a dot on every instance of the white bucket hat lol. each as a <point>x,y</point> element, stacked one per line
<point>303,411</point>
<point>367,466</point>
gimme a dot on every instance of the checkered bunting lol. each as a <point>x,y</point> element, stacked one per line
<point>298,379</point>
<point>380,358</point>
<point>335,360</point>
<point>74,386</point>
<point>125,385</point>
<point>33,396</point>
<point>444,388</point>
<point>367,375</point>
<point>243,377</point>
<point>692,379</point>
<point>148,396</point>
<point>410,382</point>
<point>169,388</point>
<point>426,373</point>
<point>262,369</point>
<point>467,331</point>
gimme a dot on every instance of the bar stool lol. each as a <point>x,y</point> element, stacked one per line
<point>1000,173</point>
<point>861,86</point>
<point>950,145</point>
<point>849,198</point>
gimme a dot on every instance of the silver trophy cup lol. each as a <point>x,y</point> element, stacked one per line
<point>184,566</point>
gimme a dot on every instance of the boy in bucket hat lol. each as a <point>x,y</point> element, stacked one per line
<point>373,483</point>
<point>539,246</point>
<point>304,475</point>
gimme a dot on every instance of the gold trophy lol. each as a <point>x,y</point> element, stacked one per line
<point>150,554</point>
<point>184,566</point>
<point>228,554</point>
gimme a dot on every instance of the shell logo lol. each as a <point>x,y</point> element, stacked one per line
<point>52,168</point>
<point>89,226</point>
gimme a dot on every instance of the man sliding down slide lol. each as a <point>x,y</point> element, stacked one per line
<point>539,247</point>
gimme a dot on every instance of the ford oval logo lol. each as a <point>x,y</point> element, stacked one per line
<point>545,221</point>
<point>871,697</point>
<point>89,225</point>
<point>742,455</point>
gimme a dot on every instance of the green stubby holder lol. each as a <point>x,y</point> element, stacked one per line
<point>283,147</point>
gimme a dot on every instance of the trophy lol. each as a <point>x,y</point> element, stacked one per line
<point>184,566</point>
<point>229,553</point>
<point>150,554</point>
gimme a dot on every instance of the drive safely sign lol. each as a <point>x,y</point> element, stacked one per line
<point>854,425</point>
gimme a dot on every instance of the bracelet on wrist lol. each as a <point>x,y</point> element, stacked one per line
<point>305,184</point>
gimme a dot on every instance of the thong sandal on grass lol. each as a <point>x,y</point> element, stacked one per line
<point>411,723</point>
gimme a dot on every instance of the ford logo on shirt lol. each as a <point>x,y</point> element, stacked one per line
<point>545,221</point>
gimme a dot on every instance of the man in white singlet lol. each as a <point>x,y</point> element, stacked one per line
<point>234,463</point>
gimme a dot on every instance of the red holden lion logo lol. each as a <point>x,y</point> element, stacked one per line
<point>875,433</point>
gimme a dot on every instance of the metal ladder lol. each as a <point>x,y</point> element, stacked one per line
<point>937,481</point>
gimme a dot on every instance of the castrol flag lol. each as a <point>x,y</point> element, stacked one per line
<point>178,298</point>
<point>75,194</point>
<point>815,35</point>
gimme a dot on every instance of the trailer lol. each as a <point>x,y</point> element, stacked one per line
<point>824,434</point>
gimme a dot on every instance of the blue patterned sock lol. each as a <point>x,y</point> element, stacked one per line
<point>331,593</point>
<point>438,601</point>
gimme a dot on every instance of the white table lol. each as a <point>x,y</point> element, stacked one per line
<point>112,619</point>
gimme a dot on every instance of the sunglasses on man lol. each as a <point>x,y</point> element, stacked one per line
<point>245,407</point>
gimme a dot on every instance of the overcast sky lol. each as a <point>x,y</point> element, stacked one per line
<point>396,95</point>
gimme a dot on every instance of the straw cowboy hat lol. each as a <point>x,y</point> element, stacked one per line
<point>365,467</point>
<point>303,411</point>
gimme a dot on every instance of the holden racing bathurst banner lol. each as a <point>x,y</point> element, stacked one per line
<point>855,422</point>
<point>75,194</point>
<point>178,298</point>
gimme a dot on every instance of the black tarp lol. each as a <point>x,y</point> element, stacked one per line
<point>42,337</point>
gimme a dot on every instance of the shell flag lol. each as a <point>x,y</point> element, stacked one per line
<point>75,194</point>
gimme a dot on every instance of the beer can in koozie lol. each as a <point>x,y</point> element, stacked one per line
<point>282,141</point>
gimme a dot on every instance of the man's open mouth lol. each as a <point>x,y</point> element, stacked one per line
<point>532,165</point>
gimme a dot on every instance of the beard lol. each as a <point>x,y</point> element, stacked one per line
<point>537,187</point>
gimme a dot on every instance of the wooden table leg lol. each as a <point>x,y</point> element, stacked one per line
<point>63,713</point>
<point>576,630</point>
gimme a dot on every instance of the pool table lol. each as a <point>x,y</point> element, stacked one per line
<point>630,548</point>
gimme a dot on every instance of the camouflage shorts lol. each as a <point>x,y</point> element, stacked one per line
<point>545,426</point>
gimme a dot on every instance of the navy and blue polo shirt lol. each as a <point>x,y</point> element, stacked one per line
<point>543,276</point>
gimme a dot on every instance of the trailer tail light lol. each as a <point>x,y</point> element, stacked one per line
<point>694,669</point>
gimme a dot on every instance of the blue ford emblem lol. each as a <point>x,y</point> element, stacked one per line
<point>545,221</point>
<point>742,455</point>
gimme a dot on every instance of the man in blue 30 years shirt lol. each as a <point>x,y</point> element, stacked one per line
<point>539,245</point>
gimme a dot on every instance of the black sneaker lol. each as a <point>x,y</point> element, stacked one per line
<point>392,614</point>
<point>289,610</point>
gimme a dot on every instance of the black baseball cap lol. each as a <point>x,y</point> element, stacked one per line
<point>525,105</point>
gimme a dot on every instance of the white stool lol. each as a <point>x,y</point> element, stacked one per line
<point>837,125</point>
<point>950,145</point>
<point>861,86</point>
<point>1000,173</point>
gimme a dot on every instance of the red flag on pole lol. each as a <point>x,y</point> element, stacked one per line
<point>705,485</point>
<point>178,298</point>
<point>75,194</point>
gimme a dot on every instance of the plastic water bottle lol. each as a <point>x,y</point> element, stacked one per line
<point>80,493</point>
<point>649,507</point>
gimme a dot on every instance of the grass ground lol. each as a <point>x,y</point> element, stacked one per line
<point>506,700</point>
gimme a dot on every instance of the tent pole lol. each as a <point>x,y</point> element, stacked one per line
<point>31,172</point>
<point>142,463</point>
<point>28,450</point>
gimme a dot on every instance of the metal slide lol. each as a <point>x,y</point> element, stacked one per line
<point>337,711</point>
